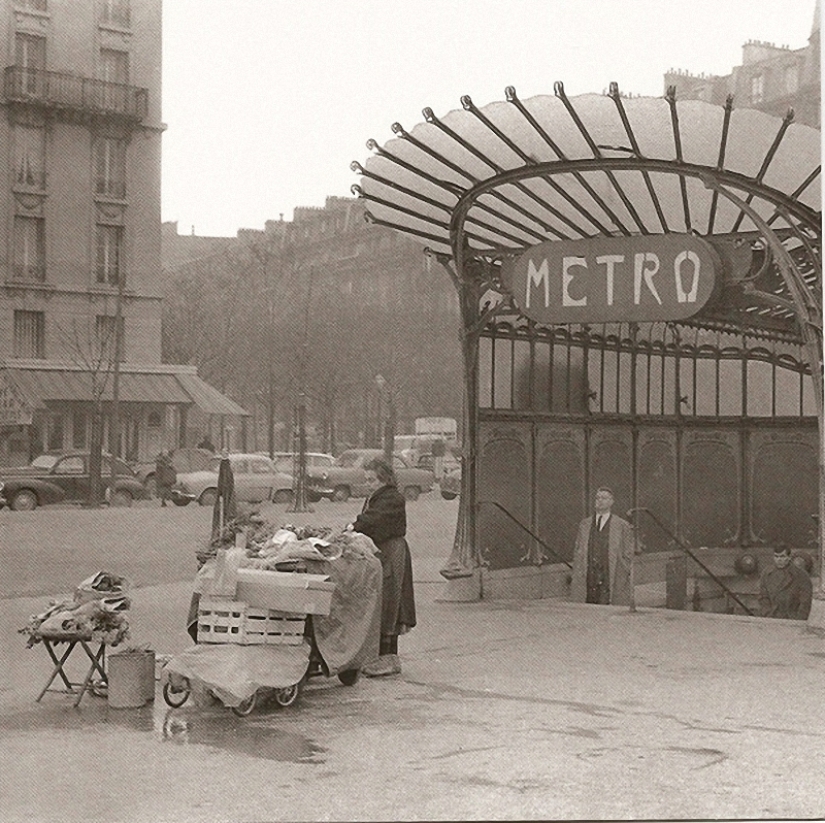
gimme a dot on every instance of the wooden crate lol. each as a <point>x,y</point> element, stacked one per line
<point>221,620</point>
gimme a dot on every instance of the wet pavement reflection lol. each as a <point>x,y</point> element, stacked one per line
<point>254,736</point>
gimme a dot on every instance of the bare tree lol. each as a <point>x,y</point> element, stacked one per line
<point>93,352</point>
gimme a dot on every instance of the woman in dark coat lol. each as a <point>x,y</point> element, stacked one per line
<point>384,520</point>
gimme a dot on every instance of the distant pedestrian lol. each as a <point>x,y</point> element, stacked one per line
<point>384,520</point>
<point>165,477</point>
<point>603,555</point>
<point>207,444</point>
<point>785,589</point>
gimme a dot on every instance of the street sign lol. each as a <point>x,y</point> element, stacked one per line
<point>613,279</point>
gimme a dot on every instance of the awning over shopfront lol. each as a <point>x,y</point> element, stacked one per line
<point>207,398</point>
<point>34,388</point>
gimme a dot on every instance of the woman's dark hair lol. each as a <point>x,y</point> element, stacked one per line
<point>383,471</point>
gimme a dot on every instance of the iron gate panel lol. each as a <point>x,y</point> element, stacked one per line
<point>611,465</point>
<point>505,476</point>
<point>657,488</point>
<point>710,488</point>
<point>560,493</point>
<point>784,492</point>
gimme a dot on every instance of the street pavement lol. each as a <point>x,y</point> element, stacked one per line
<point>504,710</point>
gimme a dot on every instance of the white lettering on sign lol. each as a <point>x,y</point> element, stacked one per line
<point>607,279</point>
<point>566,278</point>
<point>642,270</point>
<point>681,295</point>
<point>534,278</point>
<point>610,261</point>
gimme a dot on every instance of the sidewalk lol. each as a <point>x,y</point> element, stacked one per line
<point>504,710</point>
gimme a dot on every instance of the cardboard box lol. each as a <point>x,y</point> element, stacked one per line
<point>284,591</point>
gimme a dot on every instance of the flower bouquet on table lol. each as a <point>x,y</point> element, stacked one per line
<point>96,611</point>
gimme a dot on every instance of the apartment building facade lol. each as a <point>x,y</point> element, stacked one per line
<point>771,78</point>
<point>80,248</point>
<point>367,298</point>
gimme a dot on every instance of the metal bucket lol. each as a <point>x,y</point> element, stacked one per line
<point>127,680</point>
<point>149,675</point>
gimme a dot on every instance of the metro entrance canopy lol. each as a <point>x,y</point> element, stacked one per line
<point>640,292</point>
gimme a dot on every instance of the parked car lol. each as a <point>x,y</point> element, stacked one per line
<point>348,477</point>
<point>188,459</point>
<point>448,462</point>
<point>450,483</point>
<point>3,500</point>
<point>256,480</point>
<point>63,477</point>
<point>286,461</point>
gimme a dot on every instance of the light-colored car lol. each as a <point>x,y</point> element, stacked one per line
<point>348,477</point>
<point>256,480</point>
<point>287,461</point>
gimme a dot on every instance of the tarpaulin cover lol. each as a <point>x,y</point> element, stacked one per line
<point>349,636</point>
<point>234,673</point>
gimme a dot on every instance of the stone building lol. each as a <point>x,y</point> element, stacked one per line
<point>80,248</point>
<point>356,276</point>
<point>770,78</point>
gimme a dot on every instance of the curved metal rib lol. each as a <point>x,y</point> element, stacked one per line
<point>510,93</point>
<point>558,88</point>
<point>786,121</point>
<point>617,99</point>
<point>720,163</point>
<point>677,140</point>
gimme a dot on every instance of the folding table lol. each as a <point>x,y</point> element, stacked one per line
<point>97,661</point>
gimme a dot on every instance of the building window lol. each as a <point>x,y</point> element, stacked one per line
<point>30,55</point>
<point>110,167</point>
<point>109,254</point>
<point>30,334</point>
<point>30,156</point>
<point>115,13</point>
<point>105,334</point>
<point>791,79</point>
<point>54,440</point>
<point>29,249</point>
<point>79,430</point>
<point>757,88</point>
<point>114,66</point>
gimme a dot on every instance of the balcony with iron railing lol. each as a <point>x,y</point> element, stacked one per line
<point>74,96</point>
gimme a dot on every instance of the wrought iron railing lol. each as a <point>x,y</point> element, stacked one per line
<point>58,90</point>
<point>721,583</point>
<point>526,530</point>
<point>30,272</point>
<point>111,188</point>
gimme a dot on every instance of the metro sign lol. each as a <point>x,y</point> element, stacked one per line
<point>611,279</point>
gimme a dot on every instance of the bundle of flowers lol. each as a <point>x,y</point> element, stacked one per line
<point>98,620</point>
<point>290,545</point>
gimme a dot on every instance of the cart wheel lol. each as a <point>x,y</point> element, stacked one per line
<point>286,697</point>
<point>175,697</point>
<point>247,706</point>
<point>349,677</point>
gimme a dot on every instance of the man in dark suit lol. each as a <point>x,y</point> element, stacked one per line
<point>603,555</point>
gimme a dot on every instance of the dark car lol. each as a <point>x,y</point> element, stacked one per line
<point>64,478</point>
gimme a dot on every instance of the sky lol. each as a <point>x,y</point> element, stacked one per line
<point>267,102</point>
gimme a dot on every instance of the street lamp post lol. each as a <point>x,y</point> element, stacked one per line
<point>386,428</point>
